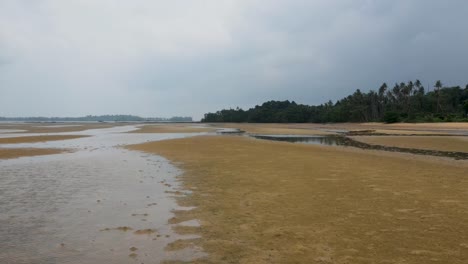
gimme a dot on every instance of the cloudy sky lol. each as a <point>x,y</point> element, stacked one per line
<point>187,57</point>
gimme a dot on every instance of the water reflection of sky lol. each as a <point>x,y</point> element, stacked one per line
<point>318,140</point>
<point>53,207</point>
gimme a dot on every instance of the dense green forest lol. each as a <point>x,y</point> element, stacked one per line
<point>99,118</point>
<point>405,102</point>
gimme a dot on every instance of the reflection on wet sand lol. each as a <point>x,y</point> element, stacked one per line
<point>99,204</point>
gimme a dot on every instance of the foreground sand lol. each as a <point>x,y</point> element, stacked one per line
<point>11,153</point>
<point>459,144</point>
<point>35,139</point>
<point>274,202</point>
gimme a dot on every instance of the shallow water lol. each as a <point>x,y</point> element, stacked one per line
<point>317,140</point>
<point>229,131</point>
<point>349,142</point>
<point>68,208</point>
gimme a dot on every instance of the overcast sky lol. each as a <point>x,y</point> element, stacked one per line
<point>188,57</point>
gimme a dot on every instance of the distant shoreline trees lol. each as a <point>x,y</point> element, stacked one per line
<point>99,118</point>
<point>405,102</point>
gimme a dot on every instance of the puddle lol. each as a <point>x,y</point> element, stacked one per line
<point>90,206</point>
<point>348,142</point>
<point>229,131</point>
<point>317,140</point>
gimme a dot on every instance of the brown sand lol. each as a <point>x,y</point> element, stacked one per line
<point>459,144</point>
<point>11,153</point>
<point>407,132</point>
<point>429,126</point>
<point>419,128</point>
<point>172,128</point>
<point>34,139</point>
<point>275,202</point>
<point>145,232</point>
<point>55,128</point>
<point>444,127</point>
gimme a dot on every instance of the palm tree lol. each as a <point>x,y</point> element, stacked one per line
<point>381,99</point>
<point>418,84</point>
<point>438,86</point>
<point>406,92</point>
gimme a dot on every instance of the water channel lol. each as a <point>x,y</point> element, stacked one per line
<point>100,203</point>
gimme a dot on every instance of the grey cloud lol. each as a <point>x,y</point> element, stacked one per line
<point>160,58</point>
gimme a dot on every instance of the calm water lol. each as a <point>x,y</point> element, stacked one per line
<point>320,140</point>
<point>67,208</point>
<point>349,142</point>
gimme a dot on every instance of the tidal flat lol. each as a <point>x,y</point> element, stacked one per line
<point>175,193</point>
<point>94,203</point>
<point>262,201</point>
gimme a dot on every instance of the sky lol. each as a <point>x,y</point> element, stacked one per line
<point>187,57</point>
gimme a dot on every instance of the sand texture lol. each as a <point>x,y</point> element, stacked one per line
<point>11,153</point>
<point>274,202</point>
<point>53,128</point>
<point>321,129</point>
<point>172,128</point>
<point>459,144</point>
<point>35,139</point>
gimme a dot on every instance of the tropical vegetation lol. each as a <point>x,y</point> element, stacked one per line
<point>404,102</point>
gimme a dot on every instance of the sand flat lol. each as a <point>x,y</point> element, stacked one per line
<point>275,202</point>
<point>34,139</point>
<point>172,128</point>
<point>324,129</point>
<point>277,129</point>
<point>416,128</point>
<point>12,153</point>
<point>54,128</point>
<point>444,143</point>
<point>405,132</point>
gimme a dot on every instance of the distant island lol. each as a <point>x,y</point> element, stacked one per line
<point>99,118</point>
<point>405,102</point>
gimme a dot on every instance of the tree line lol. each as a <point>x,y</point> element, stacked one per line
<point>99,118</point>
<point>404,102</point>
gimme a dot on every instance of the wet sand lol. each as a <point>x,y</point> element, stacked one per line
<point>274,202</point>
<point>99,203</point>
<point>459,144</point>
<point>34,139</point>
